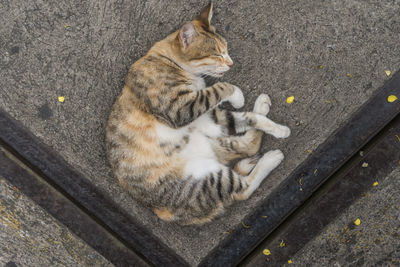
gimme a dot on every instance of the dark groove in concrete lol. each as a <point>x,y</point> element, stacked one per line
<point>72,216</point>
<point>78,190</point>
<point>335,196</point>
<point>371,118</point>
<point>328,158</point>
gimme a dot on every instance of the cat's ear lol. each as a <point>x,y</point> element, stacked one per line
<point>186,34</point>
<point>206,15</point>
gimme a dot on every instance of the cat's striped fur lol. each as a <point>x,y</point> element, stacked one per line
<point>168,142</point>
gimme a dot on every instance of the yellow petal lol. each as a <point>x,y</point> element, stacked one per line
<point>375,184</point>
<point>364,165</point>
<point>357,222</point>
<point>61,99</point>
<point>388,72</point>
<point>282,244</point>
<point>290,99</point>
<point>290,261</point>
<point>245,226</point>
<point>266,252</point>
<point>349,75</point>
<point>392,98</point>
<point>320,67</point>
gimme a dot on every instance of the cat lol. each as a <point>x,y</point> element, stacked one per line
<point>170,144</point>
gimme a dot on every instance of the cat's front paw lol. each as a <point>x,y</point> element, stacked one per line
<point>262,104</point>
<point>237,98</point>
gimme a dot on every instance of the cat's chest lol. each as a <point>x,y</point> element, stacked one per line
<point>198,83</point>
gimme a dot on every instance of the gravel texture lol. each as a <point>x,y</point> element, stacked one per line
<point>330,55</point>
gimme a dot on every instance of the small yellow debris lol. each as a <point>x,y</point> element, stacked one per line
<point>388,72</point>
<point>290,261</point>
<point>330,101</point>
<point>245,226</point>
<point>364,165</point>
<point>357,222</point>
<point>315,171</point>
<point>61,99</point>
<point>297,123</point>
<point>375,183</point>
<point>290,99</point>
<point>309,151</point>
<point>301,183</point>
<point>392,98</point>
<point>349,75</point>
<point>398,138</point>
<point>266,252</point>
<point>320,67</point>
<point>229,232</point>
<point>66,26</point>
<point>282,244</point>
<point>265,217</point>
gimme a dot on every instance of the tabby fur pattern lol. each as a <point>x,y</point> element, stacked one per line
<point>169,142</point>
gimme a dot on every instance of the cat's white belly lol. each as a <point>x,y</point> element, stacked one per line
<point>198,152</point>
<point>199,155</point>
<point>206,125</point>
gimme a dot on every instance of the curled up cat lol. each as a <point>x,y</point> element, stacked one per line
<point>171,145</point>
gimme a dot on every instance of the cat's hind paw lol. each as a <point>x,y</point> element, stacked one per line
<point>262,104</point>
<point>271,160</point>
<point>237,98</point>
<point>281,132</point>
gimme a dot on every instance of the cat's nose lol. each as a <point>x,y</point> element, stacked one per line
<point>229,62</point>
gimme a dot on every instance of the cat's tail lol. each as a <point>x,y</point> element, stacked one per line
<point>196,201</point>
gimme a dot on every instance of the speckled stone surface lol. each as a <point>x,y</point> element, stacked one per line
<point>331,55</point>
<point>375,242</point>
<point>29,236</point>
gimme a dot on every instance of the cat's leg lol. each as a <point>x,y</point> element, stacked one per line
<point>185,105</point>
<point>233,147</point>
<point>240,122</point>
<point>245,121</point>
<point>246,165</point>
<point>253,137</point>
<point>262,169</point>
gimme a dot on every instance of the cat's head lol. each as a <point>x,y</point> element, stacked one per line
<point>202,50</point>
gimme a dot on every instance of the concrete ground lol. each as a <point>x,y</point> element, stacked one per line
<point>331,55</point>
<point>29,236</point>
<point>375,242</point>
